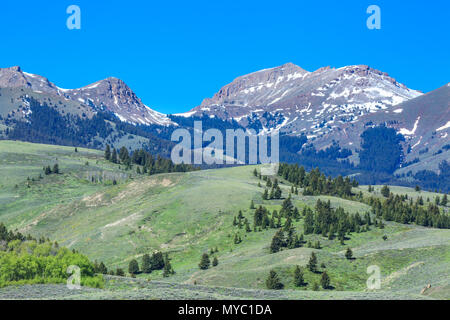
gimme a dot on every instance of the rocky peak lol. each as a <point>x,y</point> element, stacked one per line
<point>111,94</point>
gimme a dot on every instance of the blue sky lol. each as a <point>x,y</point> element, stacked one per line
<point>175,54</point>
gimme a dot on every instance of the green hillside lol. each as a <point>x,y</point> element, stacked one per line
<point>188,214</point>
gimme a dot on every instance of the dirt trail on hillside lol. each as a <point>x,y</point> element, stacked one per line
<point>400,273</point>
<point>135,189</point>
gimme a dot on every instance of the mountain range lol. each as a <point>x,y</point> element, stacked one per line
<point>326,107</point>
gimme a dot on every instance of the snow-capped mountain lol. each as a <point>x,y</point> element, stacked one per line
<point>325,105</point>
<point>111,94</point>
<point>303,102</point>
<point>336,105</point>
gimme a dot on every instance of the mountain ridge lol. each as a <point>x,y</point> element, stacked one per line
<point>111,94</point>
<point>327,106</point>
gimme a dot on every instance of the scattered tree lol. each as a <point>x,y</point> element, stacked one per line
<point>133,267</point>
<point>325,280</point>
<point>273,282</point>
<point>298,277</point>
<point>204,262</point>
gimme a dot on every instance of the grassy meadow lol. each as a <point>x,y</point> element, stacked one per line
<point>187,214</point>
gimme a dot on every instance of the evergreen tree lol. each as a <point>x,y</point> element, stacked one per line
<point>312,263</point>
<point>237,239</point>
<point>168,270</point>
<point>204,262</point>
<point>157,261</point>
<point>273,282</point>
<point>102,268</point>
<point>437,200</point>
<point>287,208</point>
<point>48,170</point>
<point>108,152</point>
<point>385,191</point>
<point>133,267</point>
<point>265,195</point>
<point>277,242</point>
<point>252,205</point>
<point>114,156</point>
<point>146,264</point>
<point>247,226</point>
<point>215,262</point>
<point>349,254</point>
<point>278,193</point>
<point>298,277</point>
<point>325,280</point>
<point>444,200</point>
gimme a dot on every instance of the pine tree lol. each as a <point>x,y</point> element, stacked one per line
<point>204,262</point>
<point>252,205</point>
<point>237,239</point>
<point>146,264</point>
<point>444,200</point>
<point>215,262</point>
<point>247,226</point>
<point>108,152</point>
<point>385,191</point>
<point>312,263</point>
<point>114,156</point>
<point>48,170</point>
<point>325,280</point>
<point>157,260</point>
<point>102,268</point>
<point>437,200</point>
<point>277,193</point>
<point>298,277</point>
<point>349,254</point>
<point>168,270</point>
<point>133,267</point>
<point>265,195</point>
<point>273,282</point>
<point>255,172</point>
<point>277,242</point>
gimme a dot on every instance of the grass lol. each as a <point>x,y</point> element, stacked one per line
<point>186,214</point>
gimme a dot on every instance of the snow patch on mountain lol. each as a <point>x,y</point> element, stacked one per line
<point>407,132</point>
<point>446,126</point>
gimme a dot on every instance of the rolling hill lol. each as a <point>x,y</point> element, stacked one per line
<point>188,214</point>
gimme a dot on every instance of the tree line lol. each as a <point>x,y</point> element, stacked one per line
<point>145,163</point>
